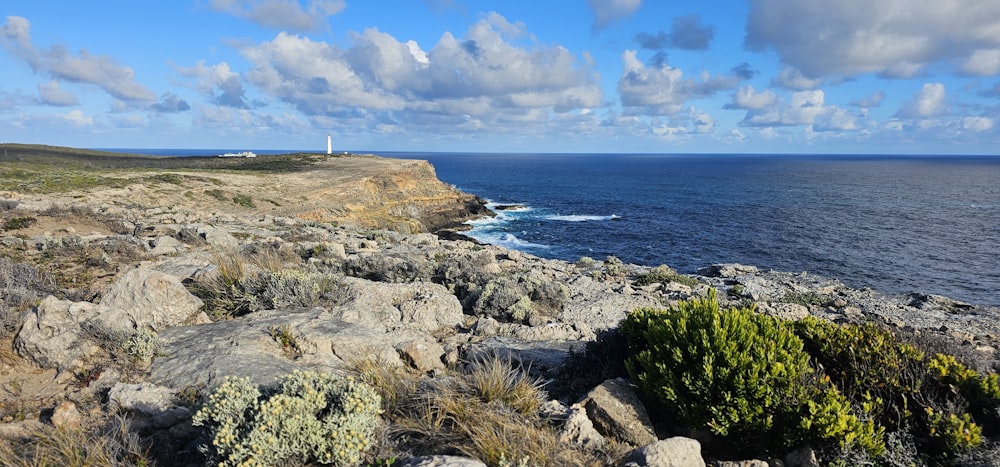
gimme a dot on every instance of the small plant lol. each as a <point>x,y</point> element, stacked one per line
<point>170,178</point>
<point>805,299</point>
<point>287,339</point>
<point>306,417</point>
<point>664,274</point>
<point>216,193</point>
<point>244,200</point>
<point>141,345</point>
<point>736,290</point>
<point>614,267</point>
<point>18,223</point>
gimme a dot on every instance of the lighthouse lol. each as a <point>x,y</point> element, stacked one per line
<point>329,144</point>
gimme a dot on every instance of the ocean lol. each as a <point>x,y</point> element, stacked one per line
<point>897,224</point>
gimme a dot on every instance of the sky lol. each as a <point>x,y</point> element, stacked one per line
<point>626,76</point>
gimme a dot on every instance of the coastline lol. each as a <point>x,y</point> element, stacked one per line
<point>416,299</point>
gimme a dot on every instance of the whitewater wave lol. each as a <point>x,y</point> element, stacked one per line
<point>581,218</point>
<point>504,239</point>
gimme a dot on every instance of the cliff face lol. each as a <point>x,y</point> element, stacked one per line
<point>401,195</point>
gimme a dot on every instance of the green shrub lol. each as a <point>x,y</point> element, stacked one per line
<point>664,274</point>
<point>306,417</point>
<point>216,193</point>
<point>18,223</point>
<point>867,362</point>
<point>744,376</point>
<point>233,291</point>
<point>244,200</point>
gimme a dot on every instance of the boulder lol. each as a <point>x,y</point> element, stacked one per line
<point>385,306</point>
<point>616,411</point>
<point>578,431</point>
<point>145,398</point>
<point>422,355</point>
<point>66,415</point>
<point>205,354</point>
<point>671,452</point>
<point>52,337</point>
<point>144,297</point>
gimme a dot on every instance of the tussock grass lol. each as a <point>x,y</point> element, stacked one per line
<point>489,411</point>
<point>111,445</point>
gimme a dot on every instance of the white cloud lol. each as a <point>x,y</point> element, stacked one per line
<point>896,38</point>
<point>662,90</point>
<point>792,78</point>
<point>101,71</point>
<point>51,94</point>
<point>609,11</point>
<point>873,100</point>
<point>481,79</point>
<point>930,101</point>
<point>282,14</point>
<point>984,62</point>
<point>747,98</point>
<point>218,83</point>
<point>77,118</point>
<point>977,124</point>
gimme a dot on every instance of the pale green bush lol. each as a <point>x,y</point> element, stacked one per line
<point>307,417</point>
<point>142,344</point>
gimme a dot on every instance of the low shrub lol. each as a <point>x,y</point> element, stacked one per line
<point>244,200</point>
<point>18,223</point>
<point>741,375</point>
<point>306,417</point>
<point>241,285</point>
<point>141,345</point>
<point>664,274</point>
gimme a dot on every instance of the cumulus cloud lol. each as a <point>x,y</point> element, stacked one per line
<point>609,11</point>
<point>929,101</point>
<point>101,71</point>
<point>792,78</point>
<point>977,124</point>
<point>170,103</point>
<point>51,94</point>
<point>662,90</point>
<point>77,118</point>
<point>282,14</point>
<point>479,79</point>
<point>218,83</point>
<point>893,38</point>
<point>686,32</point>
<point>804,108</point>
<point>746,98</point>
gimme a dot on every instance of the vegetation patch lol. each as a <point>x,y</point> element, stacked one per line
<point>765,386</point>
<point>664,274</point>
<point>19,222</point>
<point>244,200</point>
<point>306,417</point>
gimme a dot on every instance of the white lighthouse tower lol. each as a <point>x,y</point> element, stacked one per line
<point>329,144</point>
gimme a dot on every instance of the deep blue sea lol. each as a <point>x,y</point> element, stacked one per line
<point>897,224</point>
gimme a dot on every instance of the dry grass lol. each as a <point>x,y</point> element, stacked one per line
<point>488,412</point>
<point>109,445</point>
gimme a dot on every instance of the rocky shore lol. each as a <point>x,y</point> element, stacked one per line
<point>115,264</point>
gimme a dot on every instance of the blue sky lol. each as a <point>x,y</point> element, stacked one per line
<point>788,76</point>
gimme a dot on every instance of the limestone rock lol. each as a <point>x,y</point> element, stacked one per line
<point>145,398</point>
<point>422,355</point>
<point>144,297</point>
<point>204,354</point>
<point>52,337</point>
<point>66,415</point>
<point>787,311</point>
<point>802,457</point>
<point>671,452</point>
<point>727,270</point>
<point>388,306</point>
<point>579,431</point>
<point>616,411</point>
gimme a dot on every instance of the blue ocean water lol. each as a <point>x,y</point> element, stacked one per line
<point>897,224</point>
